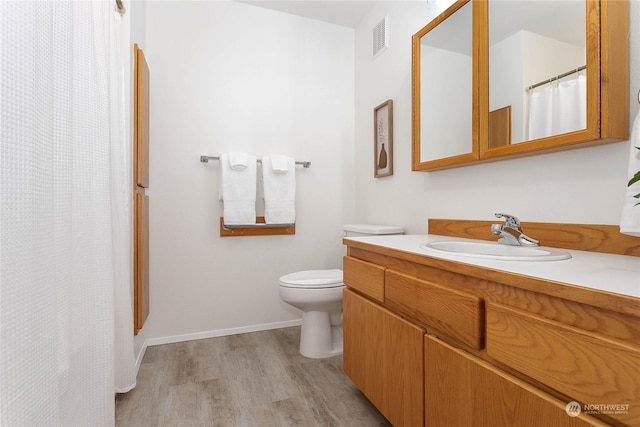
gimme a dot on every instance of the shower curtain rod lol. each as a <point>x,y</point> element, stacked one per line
<point>558,77</point>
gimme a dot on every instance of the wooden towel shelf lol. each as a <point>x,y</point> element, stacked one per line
<point>260,229</point>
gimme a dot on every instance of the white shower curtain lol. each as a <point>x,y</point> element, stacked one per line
<point>66,341</point>
<point>559,107</point>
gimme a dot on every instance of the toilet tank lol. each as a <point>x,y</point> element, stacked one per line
<point>353,230</point>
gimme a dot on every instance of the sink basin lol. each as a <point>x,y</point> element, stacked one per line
<point>494,250</point>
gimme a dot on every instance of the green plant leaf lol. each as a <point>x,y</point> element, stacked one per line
<point>633,180</point>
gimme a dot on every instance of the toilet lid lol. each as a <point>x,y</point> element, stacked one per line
<point>313,279</point>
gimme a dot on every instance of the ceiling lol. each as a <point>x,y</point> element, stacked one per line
<point>347,13</point>
<point>545,14</point>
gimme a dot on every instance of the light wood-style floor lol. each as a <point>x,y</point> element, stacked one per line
<point>255,379</point>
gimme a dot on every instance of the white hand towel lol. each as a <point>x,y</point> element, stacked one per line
<point>238,191</point>
<point>630,222</point>
<point>238,161</point>
<point>279,193</point>
<point>279,164</point>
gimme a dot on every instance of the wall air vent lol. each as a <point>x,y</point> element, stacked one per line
<point>381,36</point>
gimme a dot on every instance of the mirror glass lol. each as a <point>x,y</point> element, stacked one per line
<point>537,70</point>
<point>445,78</point>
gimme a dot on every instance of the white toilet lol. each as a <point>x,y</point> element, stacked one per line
<point>318,293</point>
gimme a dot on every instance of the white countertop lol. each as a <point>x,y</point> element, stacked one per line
<point>618,274</point>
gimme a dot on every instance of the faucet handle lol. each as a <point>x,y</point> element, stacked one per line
<point>512,221</point>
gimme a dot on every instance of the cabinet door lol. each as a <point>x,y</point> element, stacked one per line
<point>140,119</point>
<point>462,390</point>
<point>383,357</point>
<point>141,262</point>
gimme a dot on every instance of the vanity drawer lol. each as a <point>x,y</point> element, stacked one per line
<point>456,314</point>
<point>587,367</point>
<point>365,277</point>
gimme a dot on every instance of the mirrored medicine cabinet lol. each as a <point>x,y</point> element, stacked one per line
<point>500,79</point>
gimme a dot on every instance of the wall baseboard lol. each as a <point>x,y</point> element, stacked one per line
<point>143,349</point>
<point>212,334</point>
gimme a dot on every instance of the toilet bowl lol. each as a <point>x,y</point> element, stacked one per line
<point>318,293</point>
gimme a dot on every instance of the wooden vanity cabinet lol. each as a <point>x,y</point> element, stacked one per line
<point>489,348</point>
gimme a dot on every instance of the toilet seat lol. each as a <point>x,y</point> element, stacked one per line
<point>313,279</point>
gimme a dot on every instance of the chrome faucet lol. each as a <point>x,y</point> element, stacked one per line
<point>511,233</point>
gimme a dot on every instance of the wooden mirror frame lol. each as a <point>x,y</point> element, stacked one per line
<point>607,26</point>
<point>473,154</point>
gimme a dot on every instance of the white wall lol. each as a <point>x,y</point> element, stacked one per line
<point>136,10</point>
<point>577,186</point>
<point>226,76</point>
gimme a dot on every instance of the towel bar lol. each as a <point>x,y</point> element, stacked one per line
<point>205,159</point>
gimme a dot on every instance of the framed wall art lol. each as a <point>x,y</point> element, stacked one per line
<point>383,139</point>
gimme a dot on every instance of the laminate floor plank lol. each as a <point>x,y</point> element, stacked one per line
<point>258,379</point>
